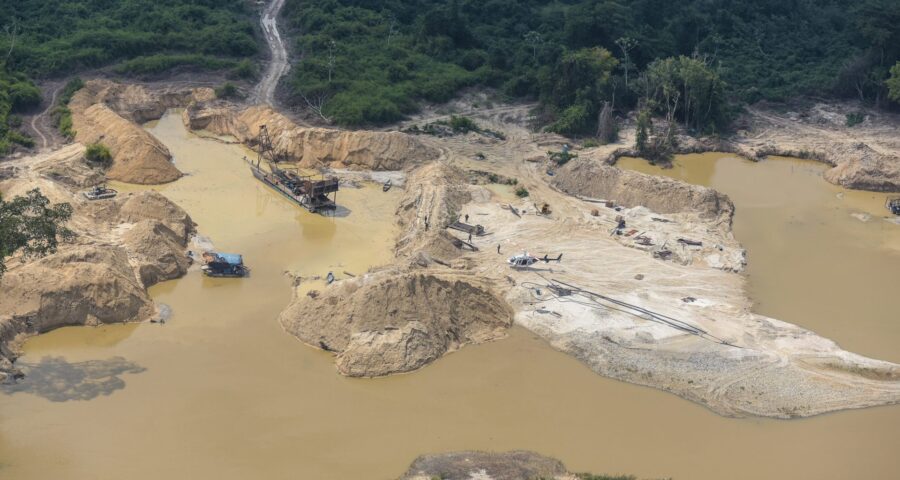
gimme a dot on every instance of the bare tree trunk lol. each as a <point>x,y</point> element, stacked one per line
<point>12,32</point>
<point>317,104</point>
<point>606,126</point>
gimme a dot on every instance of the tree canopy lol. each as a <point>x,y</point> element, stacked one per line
<point>893,83</point>
<point>32,225</point>
<point>50,38</point>
<point>372,61</point>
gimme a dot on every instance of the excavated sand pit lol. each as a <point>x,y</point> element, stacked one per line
<point>121,247</point>
<point>219,350</point>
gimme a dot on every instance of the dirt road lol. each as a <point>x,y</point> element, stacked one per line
<point>278,65</point>
<point>40,123</point>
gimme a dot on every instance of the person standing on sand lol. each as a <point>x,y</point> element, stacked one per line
<point>498,249</point>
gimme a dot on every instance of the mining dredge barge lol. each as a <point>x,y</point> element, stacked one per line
<point>315,193</point>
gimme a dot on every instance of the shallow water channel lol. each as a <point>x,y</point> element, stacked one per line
<point>221,392</point>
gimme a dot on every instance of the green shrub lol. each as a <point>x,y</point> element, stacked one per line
<point>522,192</point>
<point>62,116</point>
<point>98,154</point>
<point>244,69</point>
<point>590,143</point>
<point>575,119</point>
<point>153,64</point>
<point>463,124</point>
<point>227,90</point>
<point>855,118</point>
<point>74,85</point>
<point>21,139</point>
<point>590,476</point>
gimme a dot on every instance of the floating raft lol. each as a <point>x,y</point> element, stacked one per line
<point>893,204</point>
<point>99,193</point>
<point>224,265</point>
<point>314,195</point>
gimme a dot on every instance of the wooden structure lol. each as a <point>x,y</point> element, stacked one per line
<point>315,193</point>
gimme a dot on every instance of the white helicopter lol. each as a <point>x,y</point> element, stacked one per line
<point>525,260</point>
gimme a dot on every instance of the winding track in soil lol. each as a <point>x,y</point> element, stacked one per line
<point>278,65</point>
<point>40,119</point>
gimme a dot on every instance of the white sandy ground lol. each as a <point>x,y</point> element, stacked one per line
<point>762,367</point>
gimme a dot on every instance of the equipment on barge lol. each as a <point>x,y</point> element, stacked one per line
<point>99,192</point>
<point>217,264</point>
<point>313,193</point>
<point>893,204</point>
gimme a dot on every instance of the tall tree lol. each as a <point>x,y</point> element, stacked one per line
<point>31,225</point>
<point>893,83</point>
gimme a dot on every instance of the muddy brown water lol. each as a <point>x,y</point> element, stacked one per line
<point>819,255</point>
<point>221,392</point>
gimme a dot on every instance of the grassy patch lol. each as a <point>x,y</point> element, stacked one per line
<point>98,154</point>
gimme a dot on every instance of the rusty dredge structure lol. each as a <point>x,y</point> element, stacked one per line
<point>315,193</point>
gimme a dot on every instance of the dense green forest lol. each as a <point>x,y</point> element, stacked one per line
<point>372,61</point>
<point>52,38</point>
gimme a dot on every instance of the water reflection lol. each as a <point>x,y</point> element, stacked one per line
<point>58,380</point>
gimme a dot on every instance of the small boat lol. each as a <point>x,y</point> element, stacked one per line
<point>525,260</point>
<point>387,186</point>
<point>893,204</point>
<point>466,228</point>
<point>99,192</point>
<point>692,243</point>
<point>217,264</point>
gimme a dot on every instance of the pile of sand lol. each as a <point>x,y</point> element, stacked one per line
<point>434,197</point>
<point>593,179</point>
<point>387,322</point>
<point>83,285</point>
<point>864,157</point>
<point>313,147</point>
<point>110,113</point>
<point>121,247</point>
<point>140,104</point>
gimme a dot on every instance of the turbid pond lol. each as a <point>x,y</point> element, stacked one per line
<point>221,392</point>
<point>820,256</point>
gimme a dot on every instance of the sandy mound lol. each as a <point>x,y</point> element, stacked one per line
<point>111,113</point>
<point>518,465</point>
<point>435,194</point>
<point>628,188</point>
<point>862,168</point>
<point>865,156</point>
<point>138,157</point>
<point>152,205</point>
<point>388,323</point>
<point>156,252</point>
<point>313,147</point>
<point>140,104</point>
<point>121,246</point>
<point>81,286</point>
